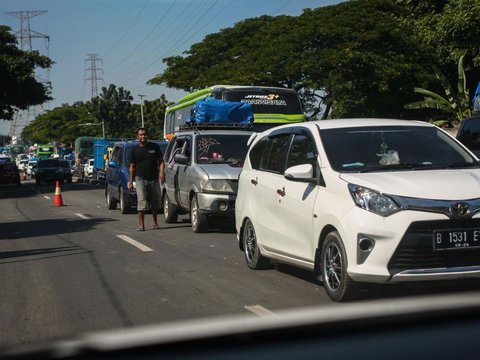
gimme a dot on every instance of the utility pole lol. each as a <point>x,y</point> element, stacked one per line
<point>25,36</point>
<point>141,107</point>
<point>93,58</point>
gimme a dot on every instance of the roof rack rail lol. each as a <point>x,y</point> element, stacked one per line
<point>214,126</point>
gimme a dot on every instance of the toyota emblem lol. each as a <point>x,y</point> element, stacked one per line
<point>460,210</point>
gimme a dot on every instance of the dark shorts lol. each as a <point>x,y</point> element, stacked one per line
<point>148,191</point>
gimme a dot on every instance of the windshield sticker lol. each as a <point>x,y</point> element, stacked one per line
<point>204,145</point>
<point>270,99</point>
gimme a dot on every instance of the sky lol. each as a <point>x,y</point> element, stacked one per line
<point>127,38</point>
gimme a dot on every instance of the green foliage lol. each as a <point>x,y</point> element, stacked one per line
<point>356,58</point>
<point>68,122</point>
<point>62,124</point>
<point>113,107</point>
<point>447,28</point>
<point>455,105</point>
<point>18,87</point>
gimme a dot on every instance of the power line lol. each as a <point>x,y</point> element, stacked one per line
<point>120,62</point>
<point>180,39</point>
<point>185,20</point>
<point>128,29</point>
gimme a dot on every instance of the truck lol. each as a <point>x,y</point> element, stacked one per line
<point>93,148</point>
<point>101,150</point>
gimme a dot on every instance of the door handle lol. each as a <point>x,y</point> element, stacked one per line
<point>254,182</point>
<point>281,192</point>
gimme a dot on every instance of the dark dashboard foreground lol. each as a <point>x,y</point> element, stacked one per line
<point>440,327</point>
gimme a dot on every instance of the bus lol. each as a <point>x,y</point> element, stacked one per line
<point>271,106</point>
<point>45,151</point>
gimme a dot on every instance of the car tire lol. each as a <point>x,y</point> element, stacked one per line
<point>254,258</point>
<point>111,203</point>
<point>170,211</point>
<point>336,282</point>
<point>198,220</point>
<point>124,207</point>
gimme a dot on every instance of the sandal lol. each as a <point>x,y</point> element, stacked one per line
<point>155,227</point>
<point>140,228</point>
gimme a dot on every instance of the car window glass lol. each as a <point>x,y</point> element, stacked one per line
<point>470,134</point>
<point>357,150</point>
<point>257,152</point>
<point>116,153</point>
<point>220,148</point>
<point>302,151</point>
<point>274,159</point>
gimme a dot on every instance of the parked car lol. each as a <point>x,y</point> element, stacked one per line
<point>52,169</point>
<point>469,134</point>
<point>9,172</point>
<point>361,200</point>
<point>118,176</point>
<point>201,175</point>
<point>31,166</point>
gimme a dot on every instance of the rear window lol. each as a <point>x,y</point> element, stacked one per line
<point>267,101</point>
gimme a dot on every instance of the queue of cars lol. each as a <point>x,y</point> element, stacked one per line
<point>355,201</point>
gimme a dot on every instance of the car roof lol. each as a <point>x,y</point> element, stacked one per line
<point>354,122</point>
<point>135,142</point>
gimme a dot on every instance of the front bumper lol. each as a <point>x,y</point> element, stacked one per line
<point>216,204</point>
<point>403,248</point>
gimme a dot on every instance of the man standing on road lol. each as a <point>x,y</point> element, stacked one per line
<point>148,170</point>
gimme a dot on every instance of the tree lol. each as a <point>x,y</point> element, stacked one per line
<point>154,116</point>
<point>113,107</point>
<point>18,87</point>
<point>455,105</point>
<point>352,59</point>
<point>448,29</point>
<point>62,124</point>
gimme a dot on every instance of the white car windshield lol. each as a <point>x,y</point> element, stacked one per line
<point>392,148</point>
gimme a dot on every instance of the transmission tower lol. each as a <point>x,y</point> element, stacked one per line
<point>94,59</point>
<point>25,36</point>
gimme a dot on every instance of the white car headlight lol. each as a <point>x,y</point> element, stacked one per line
<point>216,186</point>
<point>373,201</point>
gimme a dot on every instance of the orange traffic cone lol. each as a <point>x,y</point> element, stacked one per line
<point>58,195</point>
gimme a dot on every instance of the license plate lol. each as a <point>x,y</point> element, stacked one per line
<point>456,239</point>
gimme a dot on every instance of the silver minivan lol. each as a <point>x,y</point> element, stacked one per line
<point>201,171</point>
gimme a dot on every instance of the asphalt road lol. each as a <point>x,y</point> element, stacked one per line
<point>80,268</point>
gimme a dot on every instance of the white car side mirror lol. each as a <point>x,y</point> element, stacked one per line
<point>302,172</point>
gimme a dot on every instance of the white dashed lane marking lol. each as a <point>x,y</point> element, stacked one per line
<point>82,216</point>
<point>46,197</point>
<point>134,243</point>
<point>259,310</point>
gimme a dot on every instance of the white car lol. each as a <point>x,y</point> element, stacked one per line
<point>88,168</point>
<point>361,200</point>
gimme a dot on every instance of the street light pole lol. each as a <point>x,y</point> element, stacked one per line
<point>141,107</point>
